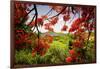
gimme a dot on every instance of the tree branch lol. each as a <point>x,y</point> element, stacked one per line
<point>49,11</point>
<point>58,13</point>
<point>27,14</point>
<point>36,13</point>
<point>32,19</point>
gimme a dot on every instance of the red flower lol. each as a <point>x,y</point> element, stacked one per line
<point>69,59</point>
<point>66,17</point>
<point>76,24</point>
<point>72,52</point>
<point>54,20</point>
<point>48,27</point>
<point>71,29</point>
<point>64,28</point>
<point>39,20</point>
<point>41,46</point>
<point>78,44</point>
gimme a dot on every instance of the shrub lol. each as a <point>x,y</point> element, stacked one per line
<point>23,57</point>
<point>56,54</point>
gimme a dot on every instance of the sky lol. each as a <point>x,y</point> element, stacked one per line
<point>42,10</point>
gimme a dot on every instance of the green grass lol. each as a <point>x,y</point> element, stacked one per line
<point>56,53</point>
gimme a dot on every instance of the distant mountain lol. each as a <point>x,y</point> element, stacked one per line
<point>52,34</point>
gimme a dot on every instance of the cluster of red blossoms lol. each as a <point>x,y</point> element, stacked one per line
<point>39,22</point>
<point>21,39</point>
<point>20,12</point>
<point>76,24</point>
<point>42,45</point>
<point>72,56</point>
<point>66,17</point>
<point>52,22</point>
<point>48,26</point>
<point>64,28</point>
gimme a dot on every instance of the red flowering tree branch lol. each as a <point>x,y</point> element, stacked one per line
<point>27,14</point>
<point>58,13</point>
